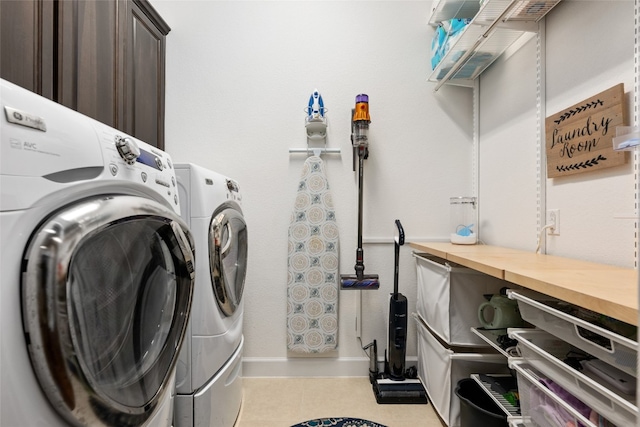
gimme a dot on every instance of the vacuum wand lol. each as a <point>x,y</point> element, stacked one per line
<point>359,267</point>
<point>359,130</point>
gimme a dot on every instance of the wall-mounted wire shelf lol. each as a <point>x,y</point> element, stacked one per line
<point>495,25</point>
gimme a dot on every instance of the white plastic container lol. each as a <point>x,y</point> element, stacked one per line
<point>607,346</point>
<point>449,296</point>
<point>463,220</point>
<point>540,406</point>
<point>544,352</point>
<point>627,138</point>
<point>440,369</point>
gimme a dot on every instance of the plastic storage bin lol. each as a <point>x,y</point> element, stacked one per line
<point>542,407</point>
<point>607,346</point>
<point>545,353</point>
<point>449,296</point>
<point>476,407</point>
<point>440,369</point>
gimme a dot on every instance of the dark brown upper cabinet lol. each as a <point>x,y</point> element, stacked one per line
<point>105,59</point>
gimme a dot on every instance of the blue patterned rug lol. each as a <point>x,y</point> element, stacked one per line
<point>338,422</point>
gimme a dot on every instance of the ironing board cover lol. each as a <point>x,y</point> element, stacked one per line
<point>312,286</point>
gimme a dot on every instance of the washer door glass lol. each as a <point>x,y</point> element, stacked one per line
<point>228,257</point>
<point>118,292</point>
<point>122,300</point>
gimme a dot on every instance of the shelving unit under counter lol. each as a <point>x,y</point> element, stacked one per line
<point>496,26</point>
<point>605,289</point>
<point>582,312</point>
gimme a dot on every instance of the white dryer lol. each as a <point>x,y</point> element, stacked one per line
<point>209,375</point>
<point>97,271</point>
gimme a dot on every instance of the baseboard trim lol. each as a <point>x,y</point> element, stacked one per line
<point>308,366</point>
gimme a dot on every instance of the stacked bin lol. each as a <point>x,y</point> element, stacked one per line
<point>448,351</point>
<point>577,396</point>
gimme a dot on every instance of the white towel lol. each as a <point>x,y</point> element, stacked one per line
<point>312,286</point>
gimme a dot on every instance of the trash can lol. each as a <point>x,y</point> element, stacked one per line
<point>476,406</point>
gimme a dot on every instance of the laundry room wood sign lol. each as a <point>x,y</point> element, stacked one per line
<point>580,138</point>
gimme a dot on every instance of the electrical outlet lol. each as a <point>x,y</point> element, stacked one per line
<point>553,217</point>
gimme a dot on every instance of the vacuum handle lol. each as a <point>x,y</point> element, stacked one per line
<point>400,237</point>
<point>399,241</point>
<point>355,152</point>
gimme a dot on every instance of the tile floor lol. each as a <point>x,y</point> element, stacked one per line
<point>283,402</point>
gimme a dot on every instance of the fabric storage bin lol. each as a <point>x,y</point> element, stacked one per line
<point>440,368</point>
<point>543,407</point>
<point>449,296</point>
<point>545,353</point>
<point>607,346</point>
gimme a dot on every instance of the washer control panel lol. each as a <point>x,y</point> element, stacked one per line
<point>127,148</point>
<point>130,159</point>
<point>46,143</point>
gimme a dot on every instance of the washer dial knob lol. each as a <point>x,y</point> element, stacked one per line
<point>128,149</point>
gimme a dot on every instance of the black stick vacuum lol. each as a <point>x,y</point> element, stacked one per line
<point>395,386</point>
<point>397,345</point>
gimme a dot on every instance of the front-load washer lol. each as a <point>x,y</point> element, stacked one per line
<point>97,271</point>
<point>208,383</point>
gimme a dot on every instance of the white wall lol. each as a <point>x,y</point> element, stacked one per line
<point>589,48</point>
<point>239,74</point>
<point>591,203</point>
<point>507,184</point>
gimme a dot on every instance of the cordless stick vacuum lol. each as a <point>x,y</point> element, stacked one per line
<point>395,386</point>
<point>359,140</point>
<point>397,345</point>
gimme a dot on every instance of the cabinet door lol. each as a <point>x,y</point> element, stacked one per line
<point>90,45</point>
<point>145,74</point>
<point>27,45</point>
<point>105,59</point>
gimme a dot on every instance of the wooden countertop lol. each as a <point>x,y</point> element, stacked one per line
<point>606,289</point>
